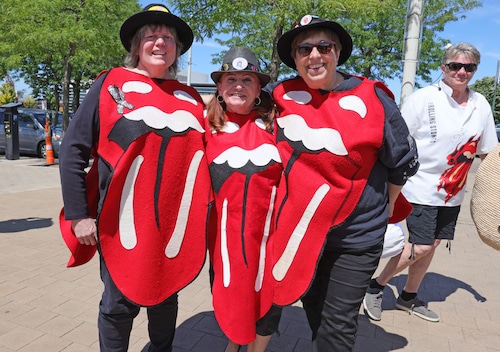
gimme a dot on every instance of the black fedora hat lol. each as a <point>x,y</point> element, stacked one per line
<point>156,13</point>
<point>305,23</point>
<point>239,59</point>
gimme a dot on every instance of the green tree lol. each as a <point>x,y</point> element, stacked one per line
<point>376,26</point>
<point>56,43</point>
<point>29,102</point>
<point>486,86</point>
<point>257,24</point>
<point>7,94</point>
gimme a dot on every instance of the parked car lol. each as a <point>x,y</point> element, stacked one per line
<point>498,131</point>
<point>31,123</point>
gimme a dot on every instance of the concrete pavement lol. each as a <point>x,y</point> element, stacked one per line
<point>45,306</point>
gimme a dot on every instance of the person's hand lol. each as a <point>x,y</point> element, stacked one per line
<point>85,231</point>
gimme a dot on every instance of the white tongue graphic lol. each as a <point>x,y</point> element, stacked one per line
<point>285,261</point>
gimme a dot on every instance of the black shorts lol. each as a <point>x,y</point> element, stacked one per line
<point>268,324</point>
<point>427,223</point>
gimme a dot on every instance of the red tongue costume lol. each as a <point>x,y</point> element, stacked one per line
<point>154,243</point>
<point>245,168</point>
<point>310,152</point>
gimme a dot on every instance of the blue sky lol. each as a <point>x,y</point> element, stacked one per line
<point>480,28</point>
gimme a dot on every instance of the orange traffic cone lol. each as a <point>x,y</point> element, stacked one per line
<point>49,153</point>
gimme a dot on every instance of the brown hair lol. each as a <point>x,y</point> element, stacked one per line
<point>311,32</point>
<point>216,111</point>
<point>132,58</point>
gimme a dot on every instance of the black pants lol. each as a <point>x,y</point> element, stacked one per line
<point>116,315</point>
<point>334,298</point>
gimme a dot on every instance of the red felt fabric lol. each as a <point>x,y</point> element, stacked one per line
<point>81,253</point>
<point>245,169</point>
<point>307,210</point>
<point>154,242</point>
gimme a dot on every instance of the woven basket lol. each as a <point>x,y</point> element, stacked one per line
<point>485,199</point>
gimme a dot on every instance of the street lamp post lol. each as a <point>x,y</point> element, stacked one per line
<point>493,106</point>
<point>190,63</point>
<point>411,47</point>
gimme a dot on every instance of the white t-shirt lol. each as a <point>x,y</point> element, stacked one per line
<point>448,136</point>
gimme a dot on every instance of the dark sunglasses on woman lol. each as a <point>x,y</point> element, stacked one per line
<point>324,47</point>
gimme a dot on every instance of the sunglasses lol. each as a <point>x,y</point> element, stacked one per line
<point>323,48</point>
<point>457,66</point>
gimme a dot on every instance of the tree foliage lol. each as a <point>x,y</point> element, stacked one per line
<point>61,45</point>
<point>7,94</point>
<point>377,28</point>
<point>29,102</point>
<point>258,24</point>
<point>57,44</point>
<point>486,86</point>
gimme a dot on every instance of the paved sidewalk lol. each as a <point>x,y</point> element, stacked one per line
<point>46,307</point>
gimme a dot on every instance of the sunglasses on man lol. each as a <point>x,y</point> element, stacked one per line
<point>324,47</point>
<point>457,66</point>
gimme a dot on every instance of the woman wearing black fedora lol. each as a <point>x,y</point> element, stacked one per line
<point>346,154</point>
<point>150,180</point>
<point>245,168</point>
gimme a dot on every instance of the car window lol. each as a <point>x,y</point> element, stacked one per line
<point>40,117</point>
<point>59,121</point>
<point>25,120</point>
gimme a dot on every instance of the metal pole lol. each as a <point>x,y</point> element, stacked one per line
<point>493,106</point>
<point>412,46</point>
<point>190,58</point>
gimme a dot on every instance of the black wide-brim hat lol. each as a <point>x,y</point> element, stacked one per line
<point>239,59</point>
<point>308,22</point>
<point>156,13</point>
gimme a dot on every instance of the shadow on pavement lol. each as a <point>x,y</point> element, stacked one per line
<point>19,225</point>
<point>434,288</point>
<point>374,338</point>
<point>201,333</point>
